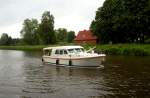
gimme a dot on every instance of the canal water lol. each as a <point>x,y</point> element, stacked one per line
<point>22,75</point>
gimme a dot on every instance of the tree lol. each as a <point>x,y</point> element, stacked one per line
<point>46,29</point>
<point>122,21</point>
<point>61,35</point>
<point>5,39</point>
<point>29,31</point>
<point>70,36</point>
<point>15,41</point>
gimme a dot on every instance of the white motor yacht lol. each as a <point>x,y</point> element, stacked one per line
<point>72,56</point>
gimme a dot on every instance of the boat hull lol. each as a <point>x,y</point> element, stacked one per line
<point>88,61</point>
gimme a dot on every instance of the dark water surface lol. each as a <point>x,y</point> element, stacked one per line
<point>22,75</point>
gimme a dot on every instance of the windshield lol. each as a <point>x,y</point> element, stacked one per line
<point>75,50</point>
<point>79,49</point>
<point>70,50</point>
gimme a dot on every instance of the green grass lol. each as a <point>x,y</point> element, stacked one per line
<point>114,49</point>
<point>125,49</point>
<point>30,47</point>
<point>25,48</point>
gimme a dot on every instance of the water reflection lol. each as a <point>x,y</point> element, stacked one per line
<point>61,81</point>
<point>22,75</point>
<point>128,76</point>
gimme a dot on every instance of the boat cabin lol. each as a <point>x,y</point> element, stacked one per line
<point>62,50</point>
<point>70,55</point>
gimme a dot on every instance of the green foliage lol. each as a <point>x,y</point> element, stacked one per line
<point>15,41</point>
<point>125,49</point>
<point>46,29</point>
<point>70,36</point>
<point>61,34</point>
<point>122,21</point>
<point>29,31</point>
<point>44,33</point>
<point>134,51</point>
<point>5,39</point>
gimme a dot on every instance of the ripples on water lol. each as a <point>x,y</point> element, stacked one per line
<point>22,75</point>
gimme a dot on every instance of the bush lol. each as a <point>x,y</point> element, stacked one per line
<point>124,49</point>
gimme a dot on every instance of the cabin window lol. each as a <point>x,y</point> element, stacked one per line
<point>71,50</point>
<point>57,52</point>
<point>78,49</point>
<point>48,52</point>
<point>65,51</point>
<point>61,52</point>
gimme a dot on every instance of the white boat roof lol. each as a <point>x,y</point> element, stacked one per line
<point>62,47</point>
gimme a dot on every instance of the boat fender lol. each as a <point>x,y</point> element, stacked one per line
<point>42,60</point>
<point>57,61</point>
<point>70,63</point>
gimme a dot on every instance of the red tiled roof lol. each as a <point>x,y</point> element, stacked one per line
<point>85,35</point>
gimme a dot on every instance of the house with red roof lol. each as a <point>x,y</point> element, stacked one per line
<point>85,36</point>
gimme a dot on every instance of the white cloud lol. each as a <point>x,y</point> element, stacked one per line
<point>70,14</point>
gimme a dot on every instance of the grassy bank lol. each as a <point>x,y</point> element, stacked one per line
<point>25,48</point>
<point>116,49</point>
<point>29,47</point>
<point>125,49</point>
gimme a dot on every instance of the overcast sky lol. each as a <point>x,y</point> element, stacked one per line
<point>73,15</point>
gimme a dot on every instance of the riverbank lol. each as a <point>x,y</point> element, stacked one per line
<point>115,49</point>
<point>125,49</point>
<point>24,48</point>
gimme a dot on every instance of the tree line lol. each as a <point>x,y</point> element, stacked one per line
<point>7,40</point>
<point>35,33</point>
<point>122,21</point>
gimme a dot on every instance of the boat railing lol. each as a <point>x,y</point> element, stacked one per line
<point>91,50</point>
<point>94,50</point>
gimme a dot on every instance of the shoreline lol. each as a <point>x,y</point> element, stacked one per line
<point>24,47</point>
<point>114,49</point>
<point>125,49</point>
